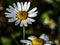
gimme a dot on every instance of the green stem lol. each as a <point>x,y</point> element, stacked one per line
<point>23,33</point>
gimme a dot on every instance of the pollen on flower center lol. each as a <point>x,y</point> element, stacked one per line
<point>37,42</point>
<point>22,15</point>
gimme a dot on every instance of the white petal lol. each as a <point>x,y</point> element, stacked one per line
<point>33,14</point>
<point>11,7</point>
<point>29,44</point>
<point>17,22</point>
<point>44,37</point>
<point>15,6</point>
<point>10,10</point>
<point>25,41</point>
<point>25,6</point>
<point>32,37</point>
<point>7,13</point>
<point>32,20</point>
<point>28,6</point>
<point>12,19</point>
<point>10,15</point>
<point>21,24</point>
<point>33,10</point>
<point>19,6</point>
<point>25,23</point>
<point>29,22</point>
<point>47,44</point>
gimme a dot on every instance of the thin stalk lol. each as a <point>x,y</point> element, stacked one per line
<point>23,33</point>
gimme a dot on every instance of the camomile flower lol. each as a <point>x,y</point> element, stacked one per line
<point>42,40</point>
<point>33,41</point>
<point>50,23</point>
<point>20,13</point>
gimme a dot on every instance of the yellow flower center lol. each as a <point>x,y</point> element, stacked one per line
<point>37,42</point>
<point>49,22</point>
<point>22,15</point>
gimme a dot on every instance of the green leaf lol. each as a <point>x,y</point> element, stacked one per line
<point>50,12</point>
<point>45,15</point>
<point>5,40</point>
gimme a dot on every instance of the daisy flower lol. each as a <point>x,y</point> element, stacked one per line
<point>42,40</point>
<point>20,13</point>
<point>50,23</point>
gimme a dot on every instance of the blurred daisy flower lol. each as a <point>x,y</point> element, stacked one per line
<point>48,1</point>
<point>20,13</point>
<point>50,23</point>
<point>42,40</point>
